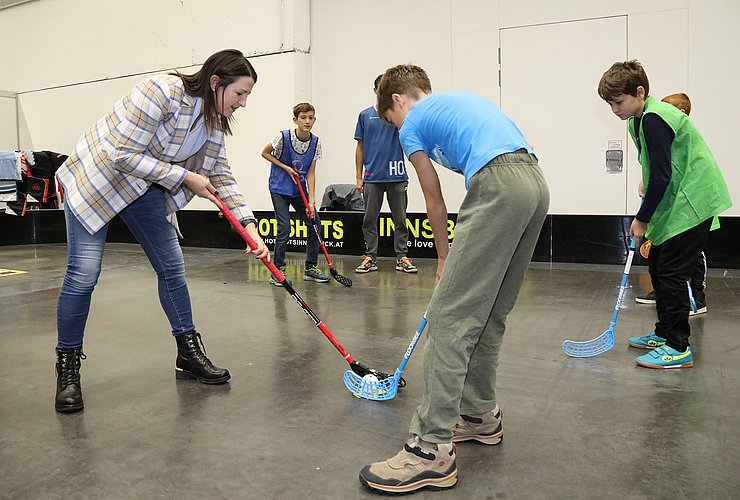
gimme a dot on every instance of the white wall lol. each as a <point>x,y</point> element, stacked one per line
<point>75,75</point>
<point>571,132</point>
<point>373,37</point>
<point>55,119</point>
<point>714,77</point>
<point>51,43</point>
<point>686,46</point>
<point>8,121</point>
<point>329,52</point>
<point>659,39</point>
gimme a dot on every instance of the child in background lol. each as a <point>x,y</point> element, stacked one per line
<point>698,280</point>
<point>684,191</point>
<point>478,278</point>
<point>301,149</point>
<point>379,152</point>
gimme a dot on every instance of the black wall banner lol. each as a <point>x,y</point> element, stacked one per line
<point>588,239</point>
<point>342,233</point>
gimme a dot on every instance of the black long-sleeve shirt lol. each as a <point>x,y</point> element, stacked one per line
<point>658,138</point>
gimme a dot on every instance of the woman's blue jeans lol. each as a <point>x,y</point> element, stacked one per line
<point>146,218</point>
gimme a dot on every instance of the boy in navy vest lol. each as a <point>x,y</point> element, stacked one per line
<point>299,149</point>
<point>379,152</point>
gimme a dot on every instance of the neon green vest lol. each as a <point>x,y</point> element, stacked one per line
<point>697,190</point>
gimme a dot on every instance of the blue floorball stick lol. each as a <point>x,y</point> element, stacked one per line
<point>605,341</point>
<point>369,387</point>
<point>691,297</point>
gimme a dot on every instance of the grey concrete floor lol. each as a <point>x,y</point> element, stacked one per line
<point>285,427</point>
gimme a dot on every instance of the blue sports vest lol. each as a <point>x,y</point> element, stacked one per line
<point>280,181</point>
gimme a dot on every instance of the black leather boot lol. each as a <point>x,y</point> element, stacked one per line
<point>69,391</point>
<point>192,362</point>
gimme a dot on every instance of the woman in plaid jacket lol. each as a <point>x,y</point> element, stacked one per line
<point>162,144</point>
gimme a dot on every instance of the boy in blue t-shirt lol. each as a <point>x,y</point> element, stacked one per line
<point>478,277</point>
<point>301,149</point>
<point>379,151</point>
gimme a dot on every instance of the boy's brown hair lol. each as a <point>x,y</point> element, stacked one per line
<point>623,78</point>
<point>680,100</point>
<point>377,81</point>
<point>303,107</point>
<point>402,79</point>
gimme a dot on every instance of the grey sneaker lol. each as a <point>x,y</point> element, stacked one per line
<point>648,298</point>
<point>274,280</point>
<point>699,310</point>
<point>404,264</point>
<point>419,465</point>
<point>315,274</point>
<point>368,264</point>
<point>487,428</point>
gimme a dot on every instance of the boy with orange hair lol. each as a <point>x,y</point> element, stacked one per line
<point>680,100</point>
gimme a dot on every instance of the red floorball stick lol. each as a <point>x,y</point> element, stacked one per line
<point>341,279</point>
<point>357,367</point>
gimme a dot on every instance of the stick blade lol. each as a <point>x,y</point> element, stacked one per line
<point>589,348</point>
<point>341,279</point>
<point>362,369</point>
<point>374,390</point>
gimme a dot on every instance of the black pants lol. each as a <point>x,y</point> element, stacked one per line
<point>699,278</point>
<point>671,265</point>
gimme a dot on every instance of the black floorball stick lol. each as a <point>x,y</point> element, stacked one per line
<point>334,274</point>
<point>357,367</point>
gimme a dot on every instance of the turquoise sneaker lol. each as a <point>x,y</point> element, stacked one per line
<point>315,274</point>
<point>666,357</point>
<point>647,341</point>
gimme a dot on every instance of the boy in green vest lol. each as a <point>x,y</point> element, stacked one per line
<point>684,191</point>
<point>699,274</point>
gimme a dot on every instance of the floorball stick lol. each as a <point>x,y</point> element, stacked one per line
<point>605,341</point>
<point>369,387</point>
<point>691,297</point>
<point>341,279</point>
<point>357,367</point>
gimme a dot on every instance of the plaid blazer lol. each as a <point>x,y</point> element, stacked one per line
<point>133,147</point>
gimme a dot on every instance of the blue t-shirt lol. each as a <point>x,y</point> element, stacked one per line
<point>461,131</point>
<point>383,157</point>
